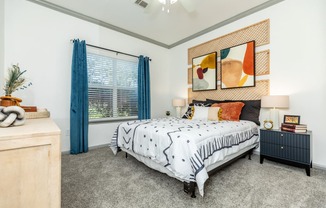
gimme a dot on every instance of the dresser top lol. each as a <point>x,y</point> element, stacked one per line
<point>31,128</point>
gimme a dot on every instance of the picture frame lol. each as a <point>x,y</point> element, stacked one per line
<point>291,119</point>
<point>204,72</point>
<point>238,67</point>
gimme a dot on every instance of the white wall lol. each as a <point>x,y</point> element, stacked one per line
<point>298,69</point>
<point>2,16</point>
<point>38,39</point>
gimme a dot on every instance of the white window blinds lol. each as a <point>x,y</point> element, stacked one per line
<point>112,87</point>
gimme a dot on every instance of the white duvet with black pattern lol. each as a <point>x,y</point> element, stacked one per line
<point>185,147</point>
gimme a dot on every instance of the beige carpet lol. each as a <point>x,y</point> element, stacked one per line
<point>100,179</point>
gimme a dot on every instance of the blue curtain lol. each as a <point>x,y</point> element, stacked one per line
<point>79,100</point>
<point>144,94</point>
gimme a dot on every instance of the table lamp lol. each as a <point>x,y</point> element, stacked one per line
<point>275,102</point>
<point>178,103</point>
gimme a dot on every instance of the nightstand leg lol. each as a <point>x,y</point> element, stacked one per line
<point>261,159</point>
<point>308,170</point>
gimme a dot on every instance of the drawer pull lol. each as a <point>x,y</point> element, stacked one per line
<point>281,135</point>
<point>282,147</point>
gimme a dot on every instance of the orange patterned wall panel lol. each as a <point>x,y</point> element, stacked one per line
<point>260,33</point>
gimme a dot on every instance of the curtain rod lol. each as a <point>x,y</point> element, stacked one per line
<point>106,49</point>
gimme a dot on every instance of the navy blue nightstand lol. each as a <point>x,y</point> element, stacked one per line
<point>287,147</point>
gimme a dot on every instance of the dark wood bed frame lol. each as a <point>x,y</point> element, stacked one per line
<point>189,187</point>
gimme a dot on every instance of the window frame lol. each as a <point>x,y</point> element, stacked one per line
<point>114,89</point>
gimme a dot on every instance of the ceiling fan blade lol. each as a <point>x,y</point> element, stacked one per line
<point>189,5</point>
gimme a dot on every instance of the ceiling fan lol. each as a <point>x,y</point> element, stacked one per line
<point>166,5</point>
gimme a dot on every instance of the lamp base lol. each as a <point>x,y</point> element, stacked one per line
<point>275,118</point>
<point>178,112</point>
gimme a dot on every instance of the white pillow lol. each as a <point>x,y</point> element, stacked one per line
<point>206,113</point>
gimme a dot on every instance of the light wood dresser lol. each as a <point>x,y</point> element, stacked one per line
<point>30,165</point>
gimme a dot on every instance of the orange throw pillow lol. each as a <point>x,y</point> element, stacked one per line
<point>230,111</point>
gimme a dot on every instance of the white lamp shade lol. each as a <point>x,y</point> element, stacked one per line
<point>178,102</point>
<point>275,101</point>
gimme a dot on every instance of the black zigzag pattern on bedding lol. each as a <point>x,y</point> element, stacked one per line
<point>166,149</point>
<point>128,134</point>
<point>134,133</point>
<point>115,137</point>
<point>197,165</point>
<point>127,140</point>
<point>196,162</point>
<point>205,151</point>
<point>114,140</point>
<point>171,142</point>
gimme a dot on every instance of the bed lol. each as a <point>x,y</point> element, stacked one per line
<point>186,149</point>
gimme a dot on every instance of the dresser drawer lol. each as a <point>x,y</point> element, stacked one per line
<point>286,139</point>
<point>285,152</point>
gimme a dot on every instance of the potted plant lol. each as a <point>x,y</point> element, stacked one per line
<point>14,82</point>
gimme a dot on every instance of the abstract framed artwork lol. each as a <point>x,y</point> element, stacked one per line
<point>238,66</point>
<point>204,76</point>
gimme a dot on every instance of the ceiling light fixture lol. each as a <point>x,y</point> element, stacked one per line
<point>167,4</point>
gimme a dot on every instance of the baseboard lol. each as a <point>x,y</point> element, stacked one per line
<point>89,148</point>
<point>256,152</point>
<point>99,146</point>
<point>318,166</point>
<point>65,152</point>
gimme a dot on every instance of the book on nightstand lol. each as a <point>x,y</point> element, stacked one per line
<point>29,108</point>
<point>297,128</point>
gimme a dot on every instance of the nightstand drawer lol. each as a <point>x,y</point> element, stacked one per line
<point>287,147</point>
<point>285,152</point>
<point>286,138</point>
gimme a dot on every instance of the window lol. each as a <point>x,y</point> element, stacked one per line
<point>112,87</point>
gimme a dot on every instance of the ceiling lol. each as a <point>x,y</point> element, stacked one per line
<point>155,26</point>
